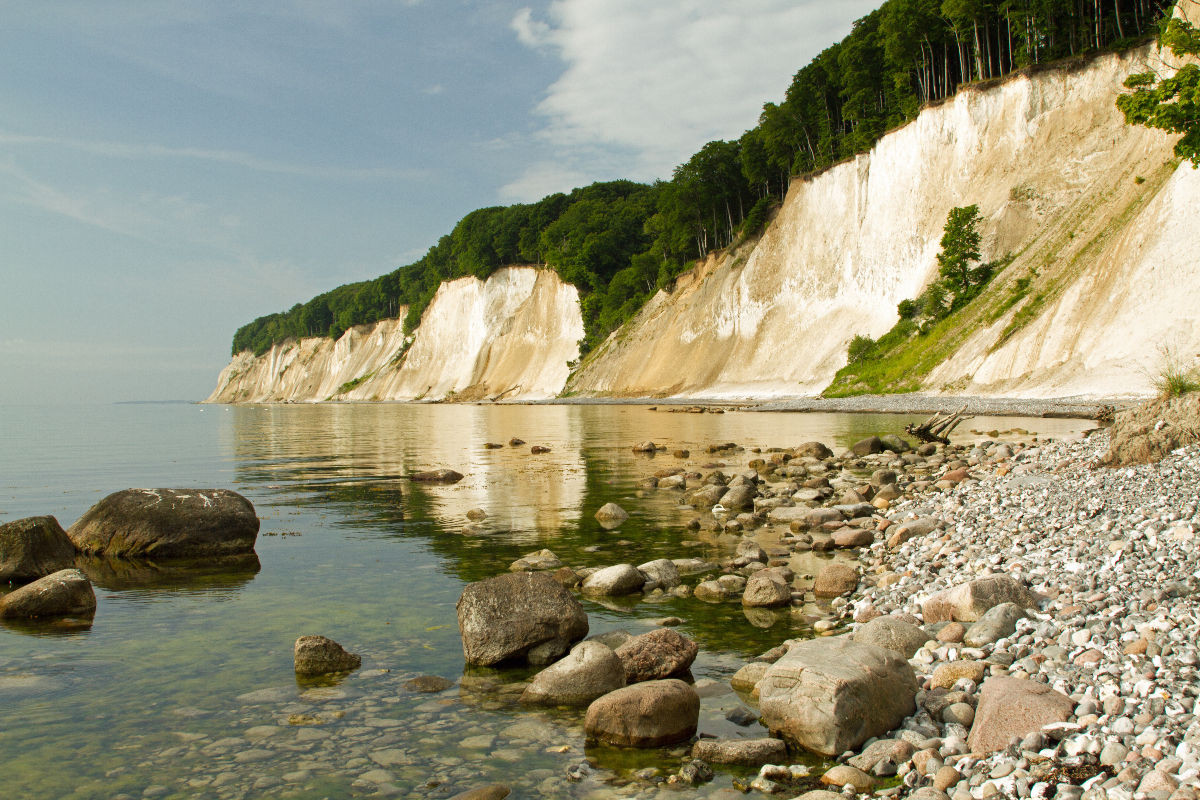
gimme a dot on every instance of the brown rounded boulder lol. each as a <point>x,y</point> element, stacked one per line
<point>167,523</point>
<point>32,548</point>
<point>650,714</point>
<point>65,593</point>
<point>318,655</point>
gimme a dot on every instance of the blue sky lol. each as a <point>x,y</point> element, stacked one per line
<point>170,170</point>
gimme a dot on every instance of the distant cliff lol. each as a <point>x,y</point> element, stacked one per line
<point>1099,219</point>
<point>510,337</point>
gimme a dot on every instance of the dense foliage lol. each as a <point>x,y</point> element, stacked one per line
<point>619,242</point>
<point>1170,103</point>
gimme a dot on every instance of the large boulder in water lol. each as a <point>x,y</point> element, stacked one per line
<point>319,655</point>
<point>503,618</point>
<point>32,548</point>
<point>589,671</point>
<point>61,594</point>
<point>167,523</point>
<point>831,695</point>
<point>651,714</point>
<point>663,653</point>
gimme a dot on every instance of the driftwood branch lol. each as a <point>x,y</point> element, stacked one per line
<point>938,427</point>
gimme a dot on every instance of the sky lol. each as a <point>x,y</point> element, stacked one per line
<point>172,169</point>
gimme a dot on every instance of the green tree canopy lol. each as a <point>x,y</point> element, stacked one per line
<point>1171,104</point>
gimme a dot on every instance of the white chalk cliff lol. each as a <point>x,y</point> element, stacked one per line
<point>509,337</point>
<point>1096,211</point>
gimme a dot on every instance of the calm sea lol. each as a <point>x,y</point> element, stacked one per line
<point>183,685</point>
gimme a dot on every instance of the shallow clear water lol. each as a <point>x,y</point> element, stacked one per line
<point>183,685</point>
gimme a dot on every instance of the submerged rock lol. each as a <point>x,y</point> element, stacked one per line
<point>167,523</point>
<point>64,593</point>
<point>650,714</point>
<point>32,548</point>
<point>505,617</point>
<point>742,752</point>
<point>436,476</point>
<point>318,655</point>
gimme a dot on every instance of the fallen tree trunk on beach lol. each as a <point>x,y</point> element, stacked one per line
<point>938,427</point>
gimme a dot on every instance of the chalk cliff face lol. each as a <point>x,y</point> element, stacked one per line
<point>509,337</point>
<point>1095,213</point>
<point>1055,172</point>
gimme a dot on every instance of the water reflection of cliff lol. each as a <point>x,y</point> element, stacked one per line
<point>322,448</point>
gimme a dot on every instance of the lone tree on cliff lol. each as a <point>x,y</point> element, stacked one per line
<point>960,246</point>
<point>1171,104</point>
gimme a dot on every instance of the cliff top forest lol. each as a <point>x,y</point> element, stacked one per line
<point>619,242</point>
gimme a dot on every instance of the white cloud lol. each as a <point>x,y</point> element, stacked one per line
<point>652,82</point>
<point>542,178</point>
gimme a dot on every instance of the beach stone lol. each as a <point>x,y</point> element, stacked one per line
<point>751,550</point>
<point>533,562</point>
<point>952,633</point>
<point>658,654</point>
<point>742,752</point>
<point>967,602</point>
<point>504,617</point>
<point>661,571</point>
<point>436,476</point>
<point>67,592</point>
<point>1011,708</point>
<point>959,714</point>
<point>816,517</point>
<point>901,533</point>
<point>845,775</point>
<point>615,581</point>
<point>317,655</point>
<point>813,450</point>
<point>866,447</point>
<point>711,591</point>
<point>829,695</point>
<point>835,580</point>
<point>852,537</point>
<point>590,670</point>
<point>895,750</point>
<point>167,523</point>
<point>611,515</point>
<point>645,447</point>
<point>495,791</point>
<point>649,714</point>
<point>746,679</point>
<point>739,498</point>
<point>33,548</point>
<point>946,675</point>
<point>995,624</point>
<point>766,590</point>
<point>821,794</point>
<point>892,634</point>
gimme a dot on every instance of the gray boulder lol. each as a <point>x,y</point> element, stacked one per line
<point>590,670</point>
<point>892,634</point>
<point>663,653</point>
<point>740,498</point>
<point>742,752</point>
<point>65,593</point>
<point>32,548</point>
<point>167,523</point>
<point>611,515</point>
<point>614,581</point>
<point>504,617</point>
<point>996,623</point>
<point>766,590</point>
<point>661,571</point>
<point>967,602</point>
<point>650,714</point>
<point>830,695</point>
<point>318,655</point>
